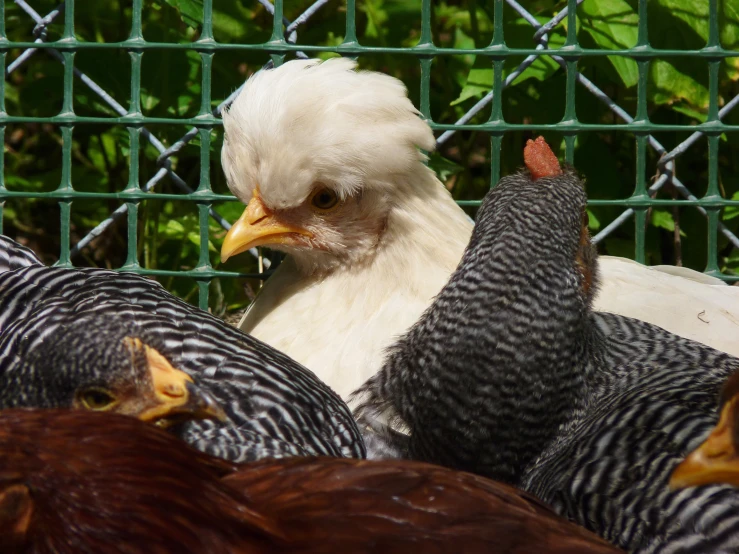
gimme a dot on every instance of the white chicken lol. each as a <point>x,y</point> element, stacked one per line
<point>327,160</point>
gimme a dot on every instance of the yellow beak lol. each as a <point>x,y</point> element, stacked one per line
<point>258,226</point>
<point>715,460</point>
<point>172,397</point>
<point>176,396</point>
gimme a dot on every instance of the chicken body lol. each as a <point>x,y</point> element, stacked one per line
<point>685,302</point>
<point>53,355</point>
<point>83,483</point>
<point>340,323</point>
<point>716,460</point>
<point>65,329</point>
<point>327,160</point>
<point>511,374</point>
<point>371,233</point>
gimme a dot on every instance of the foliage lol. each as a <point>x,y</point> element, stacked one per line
<point>677,92</point>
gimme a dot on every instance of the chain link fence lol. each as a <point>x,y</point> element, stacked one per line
<point>484,116</point>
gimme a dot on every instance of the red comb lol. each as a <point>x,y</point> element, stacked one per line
<point>540,160</point>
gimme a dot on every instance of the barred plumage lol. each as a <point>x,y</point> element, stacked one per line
<point>276,407</point>
<point>513,303</point>
<point>653,401</point>
<point>511,375</point>
<point>16,257</point>
<point>716,460</point>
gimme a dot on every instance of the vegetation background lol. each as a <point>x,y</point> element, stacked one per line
<point>168,230</point>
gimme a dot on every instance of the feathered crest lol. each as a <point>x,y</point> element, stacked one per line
<point>309,121</point>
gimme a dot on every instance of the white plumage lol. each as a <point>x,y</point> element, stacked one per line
<point>688,303</point>
<point>327,160</point>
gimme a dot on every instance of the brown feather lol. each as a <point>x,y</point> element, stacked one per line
<point>730,389</point>
<point>327,505</point>
<point>83,482</point>
<point>97,480</point>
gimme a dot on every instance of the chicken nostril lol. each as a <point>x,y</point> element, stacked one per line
<point>173,390</point>
<point>256,211</point>
<point>256,219</point>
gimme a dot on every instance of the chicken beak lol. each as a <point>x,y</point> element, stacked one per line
<point>176,397</point>
<point>258,226</point>
<point>715,460</point>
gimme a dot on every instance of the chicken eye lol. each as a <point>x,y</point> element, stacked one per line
<point>96,399</point>
<point>324,199</point>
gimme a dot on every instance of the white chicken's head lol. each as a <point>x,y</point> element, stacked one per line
<point>320,153</point>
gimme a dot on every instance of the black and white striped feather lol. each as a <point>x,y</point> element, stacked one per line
<point>276,407</point>
<point>14,255</point>
<point>490,361</point>
<point>655,400</point>
<point>511,375</point>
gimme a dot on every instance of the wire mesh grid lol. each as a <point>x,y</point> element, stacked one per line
<point>282,43</point>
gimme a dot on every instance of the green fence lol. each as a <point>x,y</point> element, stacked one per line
<point>480,109</point>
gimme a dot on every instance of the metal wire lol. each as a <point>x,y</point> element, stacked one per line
<point>284,41</point>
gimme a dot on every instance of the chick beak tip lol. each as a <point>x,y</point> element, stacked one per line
<point>176,396</point>
<point>202,403</point>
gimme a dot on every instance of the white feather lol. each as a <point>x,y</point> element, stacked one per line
<point>358,133</point>
<point>685,302</point>
<point>339,324</point>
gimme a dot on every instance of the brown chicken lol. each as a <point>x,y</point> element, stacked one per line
<point>331,505</point>
<point>93,482</point>
<point>80,482</point>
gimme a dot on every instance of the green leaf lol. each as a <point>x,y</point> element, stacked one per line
<point>690,112</point>
<point>20,183</point>
<point>443,167</point>
<point>464,42</point>
<point>480,78</point>
<point>668,85</point>
<point>729,23</point>
<point>233,21</point>
<point>663,220</point>
<point>228,27</point>
<point>479,82</point>
<point>184,103</point>
<point>376,18</point>
<point>729,31</point>
<point>191,11</point>
<point>544,67</point>
<point>172,229</point>
<point>695,14</point>
<point>148,101</point>
<point>194,237</point>
<point>681,25</point>
<point>593,222</point>
<point>11,93</point>
<point>613,24</point>
<point>520,33</point>
<point>39,182</point>
<point>732,212</point>
<point>454,16</point>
